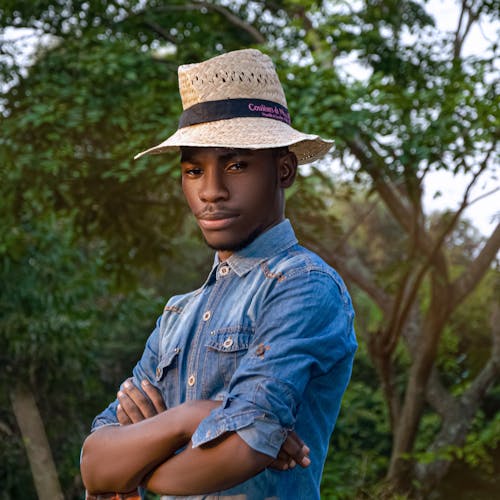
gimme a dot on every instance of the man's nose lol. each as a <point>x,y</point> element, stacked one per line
<point>213,188</point>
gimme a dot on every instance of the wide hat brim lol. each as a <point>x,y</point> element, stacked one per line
<point>246,133</point>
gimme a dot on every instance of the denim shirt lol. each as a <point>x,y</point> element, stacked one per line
<point>270,334</point>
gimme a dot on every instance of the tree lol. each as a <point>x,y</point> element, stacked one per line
<point>463,352</point>
<point>61,315</point>
<point>46,331</point>
<point>105,90</point>
<point>419,111</point>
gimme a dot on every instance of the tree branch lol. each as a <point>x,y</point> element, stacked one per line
<point>357,223</point>
<point>484,195</point>
<point>458,414</point>
<point>463,205</point>
<point>410,287</point>
<point>472,17</point>
<point>254,33</point>
<point>491,371</point>
<point>233,19</point>
<point>374,169</point>
<point>466,282</point>
<point>160,31</point>
<point>5,429</point>
<point>415,393</point>
<point>439,398</point>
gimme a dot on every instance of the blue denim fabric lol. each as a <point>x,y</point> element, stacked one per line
<point>270,334</point>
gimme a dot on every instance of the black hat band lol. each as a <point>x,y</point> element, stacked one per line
<point>211,111</point>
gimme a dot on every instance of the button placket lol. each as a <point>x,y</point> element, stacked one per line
<point>210,301</point>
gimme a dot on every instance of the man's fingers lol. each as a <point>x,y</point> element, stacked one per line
<point>129,407</point>
<point>278,465</point>
<point>143,403</point>
<point>282,461</point>
<point>135,405</point>
<point>154,395</point>
<point>297,450</point>
<point>123,418</point>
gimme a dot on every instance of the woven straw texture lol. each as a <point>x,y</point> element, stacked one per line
<point>239,74</point>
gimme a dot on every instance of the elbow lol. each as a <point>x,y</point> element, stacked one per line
<point>98,471</point>
<point>88,468</point>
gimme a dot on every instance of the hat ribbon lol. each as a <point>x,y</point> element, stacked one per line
<point>210,111</point>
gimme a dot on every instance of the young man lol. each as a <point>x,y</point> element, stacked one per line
<point>261,354</point>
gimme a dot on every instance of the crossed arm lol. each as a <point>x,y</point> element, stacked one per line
<point>142,450</point>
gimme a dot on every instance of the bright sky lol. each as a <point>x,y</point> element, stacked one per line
<point>486,212</point>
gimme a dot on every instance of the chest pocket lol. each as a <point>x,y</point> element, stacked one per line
<point>224,350</point>
<point>167,377</point>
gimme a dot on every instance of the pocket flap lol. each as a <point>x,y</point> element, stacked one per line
<point>229,341</point>
<point>168,360</point>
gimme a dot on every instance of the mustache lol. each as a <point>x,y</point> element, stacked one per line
<point>211,212</point>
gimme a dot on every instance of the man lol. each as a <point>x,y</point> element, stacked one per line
<point>261,354</point>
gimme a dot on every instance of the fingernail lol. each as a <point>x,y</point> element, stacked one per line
<point>127,384</point>
<point>306,449</point>
<point>292,464</point>
<point>145,382</point>
<point>120,394</point>
<point>306,461</point>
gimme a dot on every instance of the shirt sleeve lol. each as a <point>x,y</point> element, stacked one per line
<point>304,330</point>
<point>144,369</point>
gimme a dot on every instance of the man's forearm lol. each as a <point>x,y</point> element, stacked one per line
<point>116,458</point>
<point>207,469</point>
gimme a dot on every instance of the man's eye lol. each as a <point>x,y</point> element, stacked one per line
<point>236,166</point>
<point>192,171</point>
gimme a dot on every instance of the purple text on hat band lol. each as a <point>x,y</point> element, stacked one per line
<point>270,112</point>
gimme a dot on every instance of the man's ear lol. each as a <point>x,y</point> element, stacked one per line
<point>287,169</point>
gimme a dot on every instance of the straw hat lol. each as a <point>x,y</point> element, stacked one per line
<point>236,100</point>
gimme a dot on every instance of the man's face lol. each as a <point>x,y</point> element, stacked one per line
<point>235,194</point>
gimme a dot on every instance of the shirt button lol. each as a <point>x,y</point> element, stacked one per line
<point>206,315</point>
<point>228,342</point>
<point>191,380</point>
<point>224,270</point>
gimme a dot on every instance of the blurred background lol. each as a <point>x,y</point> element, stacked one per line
<point>406,208</point>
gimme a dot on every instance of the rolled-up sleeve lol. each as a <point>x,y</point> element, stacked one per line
<point>144,369</point>
<point>304,330</point>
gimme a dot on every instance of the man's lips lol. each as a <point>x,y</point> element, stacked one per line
<point>216,220</point>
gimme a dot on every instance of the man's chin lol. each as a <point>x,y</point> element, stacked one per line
<point>231,246</point>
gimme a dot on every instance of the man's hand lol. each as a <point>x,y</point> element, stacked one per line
<point>293,451</point>
<point>135,405</point>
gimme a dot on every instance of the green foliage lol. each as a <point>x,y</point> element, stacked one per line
<point>476,452</point>
<point>92,242</point>
<point>69,142</point>
<point>360,448</point>
<point>46,293</point>
<point>63,332</point>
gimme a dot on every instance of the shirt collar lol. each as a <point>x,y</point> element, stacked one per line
<point>266,245</point>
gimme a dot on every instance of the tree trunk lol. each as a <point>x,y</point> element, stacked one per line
<point>400,468</point>
<point>458,413</point>
<point>35,441</point>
